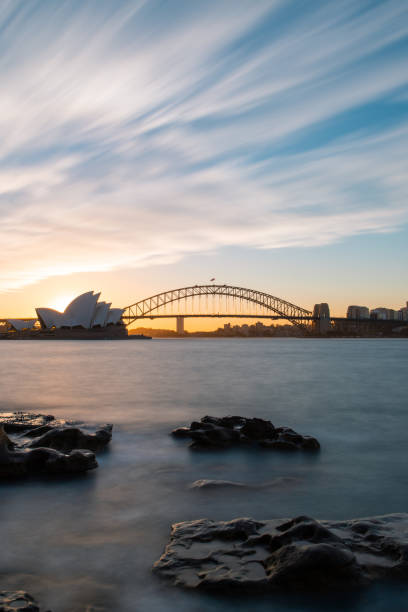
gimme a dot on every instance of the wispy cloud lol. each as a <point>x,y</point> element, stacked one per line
<point>134,133</point>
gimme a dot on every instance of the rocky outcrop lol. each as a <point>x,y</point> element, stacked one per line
<point>50,432</point>
<point>14,463</point>
<point>223,432</point>
<point>41,444</point>
<point>17,601</point>
<point>67,438</point>
<point>18,422</point>
<point>300,553</point>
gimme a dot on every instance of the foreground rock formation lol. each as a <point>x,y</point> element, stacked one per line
<point>223,432</point>
<point>41,444</point>
<point>17,601</point>
<point>67,438</point>
<point>300,553</point>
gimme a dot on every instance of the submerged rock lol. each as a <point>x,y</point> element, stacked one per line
<point>205,483</point>
<point>216,484</point>
<point>17,601</point>
<point>41,444</point>
<point>300,553</point>
<point>223,432</point>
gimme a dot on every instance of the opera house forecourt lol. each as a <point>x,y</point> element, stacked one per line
<point>84,318</point>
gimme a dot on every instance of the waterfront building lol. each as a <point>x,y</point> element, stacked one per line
<point>358,312</point>
<point>383,314</point>
<point>83,312</point>
<point>403,313</point>
<point>244,329</point>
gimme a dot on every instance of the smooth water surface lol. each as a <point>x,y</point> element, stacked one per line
<point>88,544</point>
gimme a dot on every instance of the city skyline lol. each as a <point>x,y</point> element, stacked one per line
<point>148,146</point>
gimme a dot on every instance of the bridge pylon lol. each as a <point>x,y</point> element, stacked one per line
<point>180,326</point>
<point>322,322</point>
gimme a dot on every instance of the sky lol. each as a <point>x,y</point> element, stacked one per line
<point>153,144</point>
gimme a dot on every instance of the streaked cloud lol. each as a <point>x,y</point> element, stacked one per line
<point>135,133</point>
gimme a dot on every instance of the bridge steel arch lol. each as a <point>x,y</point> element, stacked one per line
<point>148,307</point>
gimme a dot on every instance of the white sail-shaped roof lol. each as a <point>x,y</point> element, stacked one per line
<point>80,311</point>
<point>19,324</point>
<point>49,317</point>
<point>115,315</point>
<point>101,314</point>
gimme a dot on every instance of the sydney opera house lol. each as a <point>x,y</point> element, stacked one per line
<point>85,317</point>
<point>84,311</point>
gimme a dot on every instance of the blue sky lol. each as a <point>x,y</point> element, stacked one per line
<point>149,144</point>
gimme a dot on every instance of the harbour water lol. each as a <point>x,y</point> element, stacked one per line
<point>88,544</point>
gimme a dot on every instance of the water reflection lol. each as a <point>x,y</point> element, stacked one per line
<point>92,540</point>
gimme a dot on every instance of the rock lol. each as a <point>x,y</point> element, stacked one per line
<point>17,601</point>
<point>219,484</point>
<point>5,441</point>
<point>223,432</point>
<point>310,443</point>
<point>62,435</point>
<point>57,447</point>
<point>258,429</point>
<point>16,422</point>
<point>300,553</point>
<point>181,432</point>
<point>313,565</point>
<point>68,438</point>
<point>214,435</point>
<point>216,484</point>
<point>52,433</point>
<point>43,461</point>
<point>227,421</point>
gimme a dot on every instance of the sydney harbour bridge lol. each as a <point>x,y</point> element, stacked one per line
<point>221,301</point>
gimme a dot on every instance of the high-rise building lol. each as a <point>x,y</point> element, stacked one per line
<point>403,313</point>
<point>383,314</point>
<point>358,312</point>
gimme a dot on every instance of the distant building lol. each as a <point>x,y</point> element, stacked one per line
<point>403,313</point>
<point>244,329</point>
<point>383,314</point>
<point>358,312</point>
